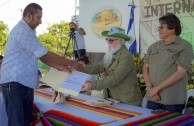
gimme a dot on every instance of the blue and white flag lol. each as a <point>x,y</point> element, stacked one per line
<point>132,44</point>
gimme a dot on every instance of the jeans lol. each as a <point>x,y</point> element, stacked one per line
<point>18,102</point>
<point>172,108</point>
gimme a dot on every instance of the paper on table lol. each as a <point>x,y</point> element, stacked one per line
<point>69,83</point>
<point>97,102</point>
<point>54,78</point>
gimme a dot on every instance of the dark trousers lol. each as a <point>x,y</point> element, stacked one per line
<point>82,53</point>
<point>19,103</point>
<point>172,108</point>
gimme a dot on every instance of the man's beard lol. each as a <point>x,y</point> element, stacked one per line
<point>108,57</point>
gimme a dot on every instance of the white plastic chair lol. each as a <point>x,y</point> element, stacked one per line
<point>190,93</point>
<point>144,102</point>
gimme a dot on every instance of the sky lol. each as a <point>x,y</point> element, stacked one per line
<point>54,11</point>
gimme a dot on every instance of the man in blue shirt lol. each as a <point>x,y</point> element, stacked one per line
<point>19,67</point>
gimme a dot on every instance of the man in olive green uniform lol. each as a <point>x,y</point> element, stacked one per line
<point>118,77</point>
<point>166,67</point>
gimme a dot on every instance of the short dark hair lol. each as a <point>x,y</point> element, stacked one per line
<point>72,23</point>
<point>1,57</point>
<point>172,22</point>
<point>32,8</point>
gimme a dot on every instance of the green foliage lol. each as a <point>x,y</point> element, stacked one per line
<point>4,31</point>
<point>138,64</point>
<point>190,85</point>
<point>56,39</point>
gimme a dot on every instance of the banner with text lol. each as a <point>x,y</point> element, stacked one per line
<point>152,10</point>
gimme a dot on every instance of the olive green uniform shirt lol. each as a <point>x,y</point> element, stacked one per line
<point>121,80</point>
<point>163,61</point>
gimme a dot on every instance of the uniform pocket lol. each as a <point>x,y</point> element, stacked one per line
<point>153,56</point>
<point>172,55</point>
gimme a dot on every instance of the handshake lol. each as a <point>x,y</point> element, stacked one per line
<point>74,66</point>
<point>78,65</point>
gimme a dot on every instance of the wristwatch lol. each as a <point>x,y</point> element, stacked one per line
<point>148,87</point>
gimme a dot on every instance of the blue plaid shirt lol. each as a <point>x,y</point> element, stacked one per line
<point>20,57</point>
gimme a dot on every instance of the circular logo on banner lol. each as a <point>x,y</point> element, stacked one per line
<point>105,18</point>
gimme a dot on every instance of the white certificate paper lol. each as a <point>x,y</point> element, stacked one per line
<point>68,83</point>
<point>73,83</point>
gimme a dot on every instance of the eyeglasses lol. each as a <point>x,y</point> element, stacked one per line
<point>161,26</point>
<point>111,40</point>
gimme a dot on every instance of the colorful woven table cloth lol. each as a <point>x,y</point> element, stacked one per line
<point>164,119</point>
<point>110,111</point>
<point>58,118</point>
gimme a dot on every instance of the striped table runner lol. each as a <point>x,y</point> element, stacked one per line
<point>164,119</point>
<point>110,111</point>
<point>58,118</point>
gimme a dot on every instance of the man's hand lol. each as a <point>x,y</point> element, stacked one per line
<point>104,74</point>
<point>78,66</point>
<point>82,63</point>
<point>65,68</point>
<point>87,87</point>
<point>153,91</point>
<point>156,97</point>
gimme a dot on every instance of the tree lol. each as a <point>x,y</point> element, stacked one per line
<point>4,31</point>
<point>56,39</point>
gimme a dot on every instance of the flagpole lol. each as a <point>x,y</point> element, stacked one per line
<point>132,2</point>
<point>139,36</point>
<point>132,46</point>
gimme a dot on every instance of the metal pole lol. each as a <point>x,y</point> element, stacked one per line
<point>75,18</point>
<point>67,46</point>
